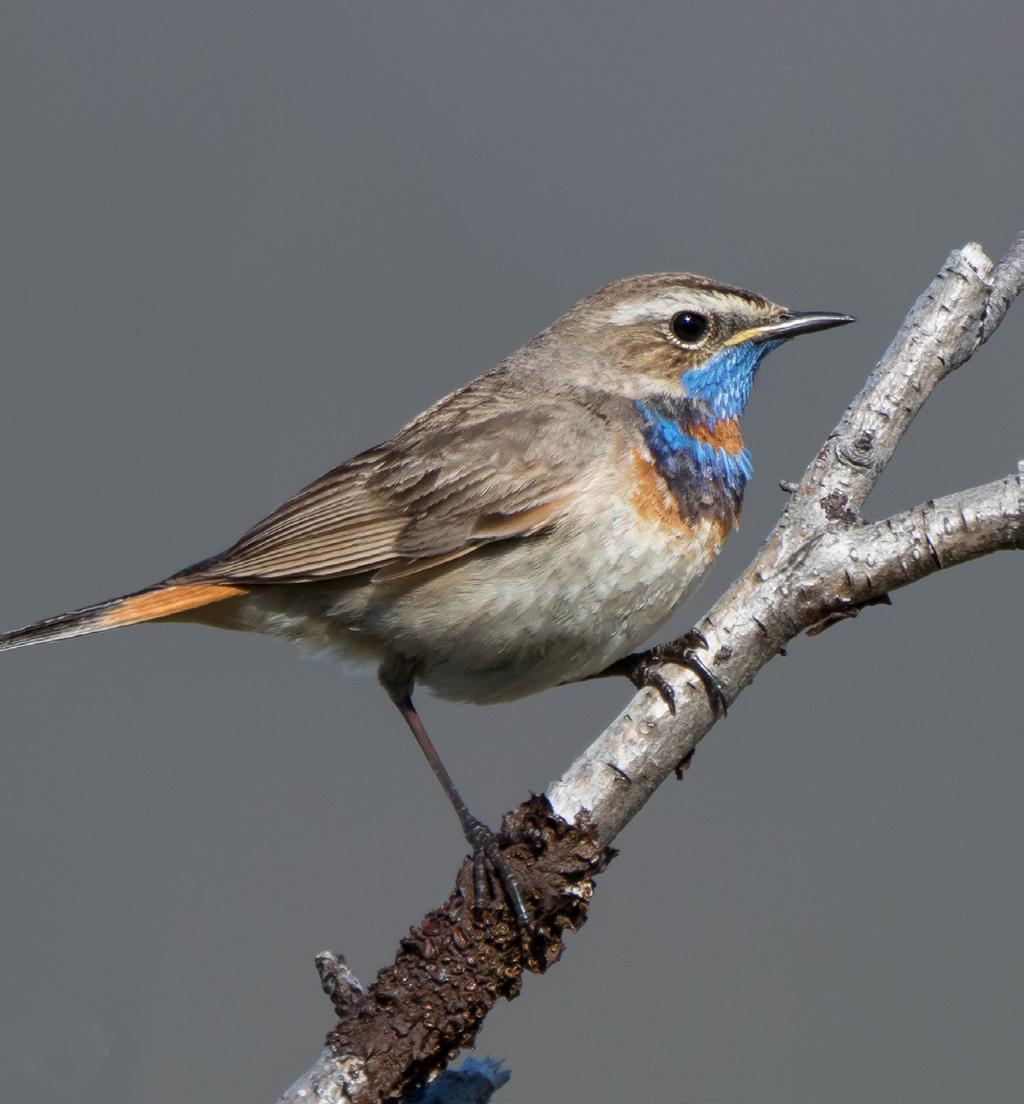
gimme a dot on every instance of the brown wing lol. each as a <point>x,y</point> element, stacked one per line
<point>452,481</point>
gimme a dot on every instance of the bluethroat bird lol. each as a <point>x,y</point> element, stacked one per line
<point>528,530</point>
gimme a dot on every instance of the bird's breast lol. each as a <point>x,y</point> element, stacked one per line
<point>667,504</point>
<point>687,470</point>
<point>537,613</point>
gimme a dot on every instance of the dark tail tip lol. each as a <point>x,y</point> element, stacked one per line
<point>76,623</point>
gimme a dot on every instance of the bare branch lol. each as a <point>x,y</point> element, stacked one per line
<point>475,1083</point>
<point>939,334</point>
<point>1007,284</point>
<point>943,533</point>
<point>819,563</point>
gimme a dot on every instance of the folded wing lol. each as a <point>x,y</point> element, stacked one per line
<point>470,475</point>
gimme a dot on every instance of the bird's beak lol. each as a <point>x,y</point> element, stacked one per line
<point>791,324</point>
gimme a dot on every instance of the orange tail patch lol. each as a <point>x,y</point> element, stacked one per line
<point>166,601</point>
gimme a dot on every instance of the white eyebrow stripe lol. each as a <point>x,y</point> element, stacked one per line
<point>657,307</point>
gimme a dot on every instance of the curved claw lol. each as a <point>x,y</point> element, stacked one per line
<point>647,674</point>
<point>487,850</point>
<point>713,688</point>
<point>642,668</point>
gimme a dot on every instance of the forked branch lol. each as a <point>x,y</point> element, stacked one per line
<point>821,562</point>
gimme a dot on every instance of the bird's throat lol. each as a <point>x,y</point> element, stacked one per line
<point>701,459</point>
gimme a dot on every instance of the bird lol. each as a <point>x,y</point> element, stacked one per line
<point>530,529</point>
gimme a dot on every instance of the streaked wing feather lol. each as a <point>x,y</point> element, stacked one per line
<point>435,492</point>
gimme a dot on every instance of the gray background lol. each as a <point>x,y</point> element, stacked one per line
<point>241,241</point>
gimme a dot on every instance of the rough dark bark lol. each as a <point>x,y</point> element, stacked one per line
<point>455,964</point>
<point>820,563</point>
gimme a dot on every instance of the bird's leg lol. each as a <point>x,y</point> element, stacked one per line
<point>481,839</point>
<point>643,669</point>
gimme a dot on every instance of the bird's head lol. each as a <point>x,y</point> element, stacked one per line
<point>676,334</point>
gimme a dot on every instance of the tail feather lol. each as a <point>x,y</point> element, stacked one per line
<point>147,605</point>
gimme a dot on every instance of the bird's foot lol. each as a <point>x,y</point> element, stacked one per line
<point>486,847</point>
<point>643,669</point>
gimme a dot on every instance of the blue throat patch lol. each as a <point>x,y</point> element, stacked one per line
<point>724,383</point>
<point>682,458</point>
<point>703,477</point>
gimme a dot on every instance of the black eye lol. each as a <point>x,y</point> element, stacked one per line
<point>688,327</point>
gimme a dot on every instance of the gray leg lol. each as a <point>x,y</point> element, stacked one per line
<point>398,682</point>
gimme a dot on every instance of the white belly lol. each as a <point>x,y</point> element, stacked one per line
<point>523,617</point>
